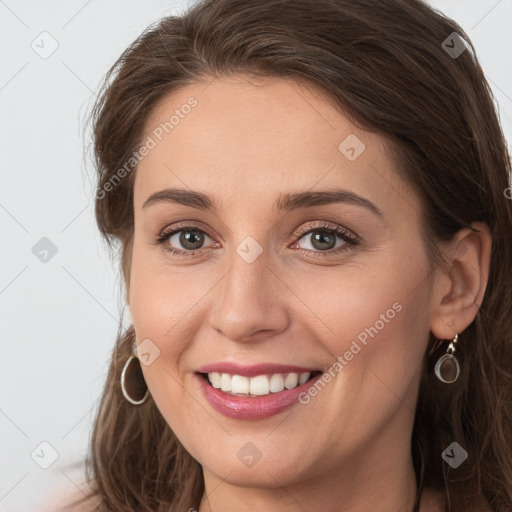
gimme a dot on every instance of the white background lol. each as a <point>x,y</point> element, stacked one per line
<point>59,318</point>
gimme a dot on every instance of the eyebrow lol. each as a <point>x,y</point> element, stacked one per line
<point>285,202</point>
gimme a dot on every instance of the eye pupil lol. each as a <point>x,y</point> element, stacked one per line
<point>191,236</point>
<point>324,237</point>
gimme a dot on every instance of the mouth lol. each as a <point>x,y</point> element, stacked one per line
<point>257,385</point>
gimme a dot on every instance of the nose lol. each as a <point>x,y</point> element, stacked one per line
<point>250,301</point>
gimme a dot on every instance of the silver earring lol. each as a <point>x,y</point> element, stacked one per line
<point>132,375</point>
<point>447,368</point>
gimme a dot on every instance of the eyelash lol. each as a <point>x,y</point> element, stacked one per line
<point>351,242</point>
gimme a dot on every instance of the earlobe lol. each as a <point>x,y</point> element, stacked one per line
<point>461,283</point>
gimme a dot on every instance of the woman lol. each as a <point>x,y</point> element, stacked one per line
<point>310,203</point>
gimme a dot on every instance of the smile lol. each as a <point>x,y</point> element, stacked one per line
<point>259,385</point>
<point>253,392</point>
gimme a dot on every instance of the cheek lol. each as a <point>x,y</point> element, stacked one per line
<point>165,304</point>
<point>382,325</point>
<point>376,300</point>
<point>163,299</point>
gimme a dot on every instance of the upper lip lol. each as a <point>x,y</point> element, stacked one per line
<point>253,369</point>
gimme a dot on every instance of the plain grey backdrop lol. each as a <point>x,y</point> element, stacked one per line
<point>60,298</point>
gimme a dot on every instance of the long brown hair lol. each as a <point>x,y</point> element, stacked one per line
<point>391,67</point>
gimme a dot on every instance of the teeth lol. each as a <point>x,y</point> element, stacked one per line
<point>291,380</point>
<point>303,377</point>
<point>239,384</point>
<point>276,383</point>
<point>225,382</point>
<point>215,379</point>
<point>259,385</point>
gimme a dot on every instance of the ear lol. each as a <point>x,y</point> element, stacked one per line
<point>460,283</point>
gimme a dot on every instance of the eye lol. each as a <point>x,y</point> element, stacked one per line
<point>325,240</point>
<point>183,240</point>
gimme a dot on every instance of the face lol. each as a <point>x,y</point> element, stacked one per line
<point>269,280</point>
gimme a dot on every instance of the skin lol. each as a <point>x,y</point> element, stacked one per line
<point>245,143</point>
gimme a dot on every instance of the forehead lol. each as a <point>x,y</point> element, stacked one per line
<point>238,139</point>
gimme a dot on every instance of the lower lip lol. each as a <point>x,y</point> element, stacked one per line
<point>252,408</point>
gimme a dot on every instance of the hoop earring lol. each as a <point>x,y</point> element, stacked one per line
<point>134,381</point>
<point>447,368</point>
